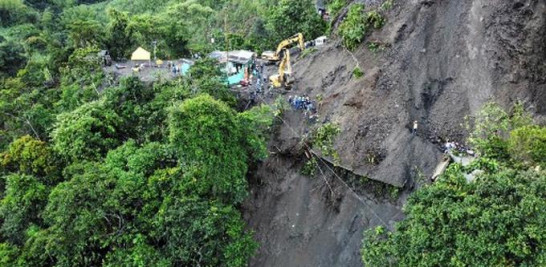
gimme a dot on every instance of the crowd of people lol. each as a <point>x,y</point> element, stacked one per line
<point>304,103</point>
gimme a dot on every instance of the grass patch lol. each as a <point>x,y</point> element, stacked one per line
<point>308,52</point>
<point>357,72</point>
<point>387,5</point>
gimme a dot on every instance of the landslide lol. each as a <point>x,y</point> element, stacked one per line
<point>442,60</point>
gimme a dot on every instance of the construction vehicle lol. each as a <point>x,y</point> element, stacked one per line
<point>283,78</point>
<point>274,56</point>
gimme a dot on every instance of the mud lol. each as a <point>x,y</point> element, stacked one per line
<point>442,60</point>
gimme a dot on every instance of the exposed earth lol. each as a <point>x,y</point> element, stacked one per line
<point>437,62</point>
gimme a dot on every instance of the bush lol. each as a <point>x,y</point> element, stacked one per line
<point>335,6</point>
<point>374,19</point>
<point>356,25</point>
<point>357,72</point>
<point>491,129</point>
<point>323,139</point>
<point>308,52</point>
<point>386,5</point>
<point>310,167</point>
<point>353,28</point>
<point>528,145</point>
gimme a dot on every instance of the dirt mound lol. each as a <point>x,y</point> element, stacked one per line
<point>442,61</point>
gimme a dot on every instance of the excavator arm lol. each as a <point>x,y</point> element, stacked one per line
<point>277,54</point>
<point>285,72</point>
<point>285,43</point>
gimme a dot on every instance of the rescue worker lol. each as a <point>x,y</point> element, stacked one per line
<point>414,129</point>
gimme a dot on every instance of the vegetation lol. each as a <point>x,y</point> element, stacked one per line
<point>323,139</point>
<point>99,170</point>
<point>357,72</point>
<point>495,220</point>
<point>308,52</point>
<point>357,24</point>
<point>335,6</point>
<point>310,167</point>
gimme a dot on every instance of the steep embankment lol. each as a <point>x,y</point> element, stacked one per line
<point>442,61</point>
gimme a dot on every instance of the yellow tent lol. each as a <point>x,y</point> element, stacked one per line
<point>141,54</point>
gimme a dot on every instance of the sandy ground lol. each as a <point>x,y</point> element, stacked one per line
<point>147,74</point>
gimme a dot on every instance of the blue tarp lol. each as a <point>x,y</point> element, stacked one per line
<point>236,78</point>
<point>185,68</point>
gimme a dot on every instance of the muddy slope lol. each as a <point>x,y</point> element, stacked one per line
<point>443,60</point>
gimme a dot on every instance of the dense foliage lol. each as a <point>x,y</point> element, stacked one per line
<point>98,170</point>
<point>495,220</point>
<point>357,24</point>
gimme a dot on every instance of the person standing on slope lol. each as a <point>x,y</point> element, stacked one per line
<point>414,129</point>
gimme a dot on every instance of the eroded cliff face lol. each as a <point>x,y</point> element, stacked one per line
<point>442,61</point>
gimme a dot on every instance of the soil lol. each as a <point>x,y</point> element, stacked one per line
<point>438,62</point>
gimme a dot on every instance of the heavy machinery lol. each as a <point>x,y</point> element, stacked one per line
<point>283,78</point>
<point>273,56</point>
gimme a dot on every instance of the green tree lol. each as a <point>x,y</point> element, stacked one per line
<point>207,78</point>
<point>213,234</point>
<point>197,23</point>
<point>207,133</point>
<point>12,58</point>
<point>491,127</point>
<point>527,145</point>
<point>494,221</point>
<point>15,11</point>
<point>87,132</point>
<point>21,206</point>
<point>30,156</point>
<point>119,42</point>
<point>84,28</point>
<point>292,16</point>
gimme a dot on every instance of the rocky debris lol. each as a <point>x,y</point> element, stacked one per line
<point>445,60</point>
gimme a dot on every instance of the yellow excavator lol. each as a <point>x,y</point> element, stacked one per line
<point>273,56</point>
<point>283,78</point>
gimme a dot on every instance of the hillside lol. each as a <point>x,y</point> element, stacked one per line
<point>441,61</point>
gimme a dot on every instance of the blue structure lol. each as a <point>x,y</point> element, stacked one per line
<point>234,64</point>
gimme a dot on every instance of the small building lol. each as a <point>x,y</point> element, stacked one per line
<point>234,63</point>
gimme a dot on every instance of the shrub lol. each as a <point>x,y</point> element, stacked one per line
<point>373,46</point>
<point>386,5</point>
<point>335,6</point>
<point>528,144</point>
<point>353,28</point>
<point>357,72</point>
<point>308,52</point>
<point>356,25</point>
<point>374,19</point>
<point>310,167</point>
<point>323,139</point>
